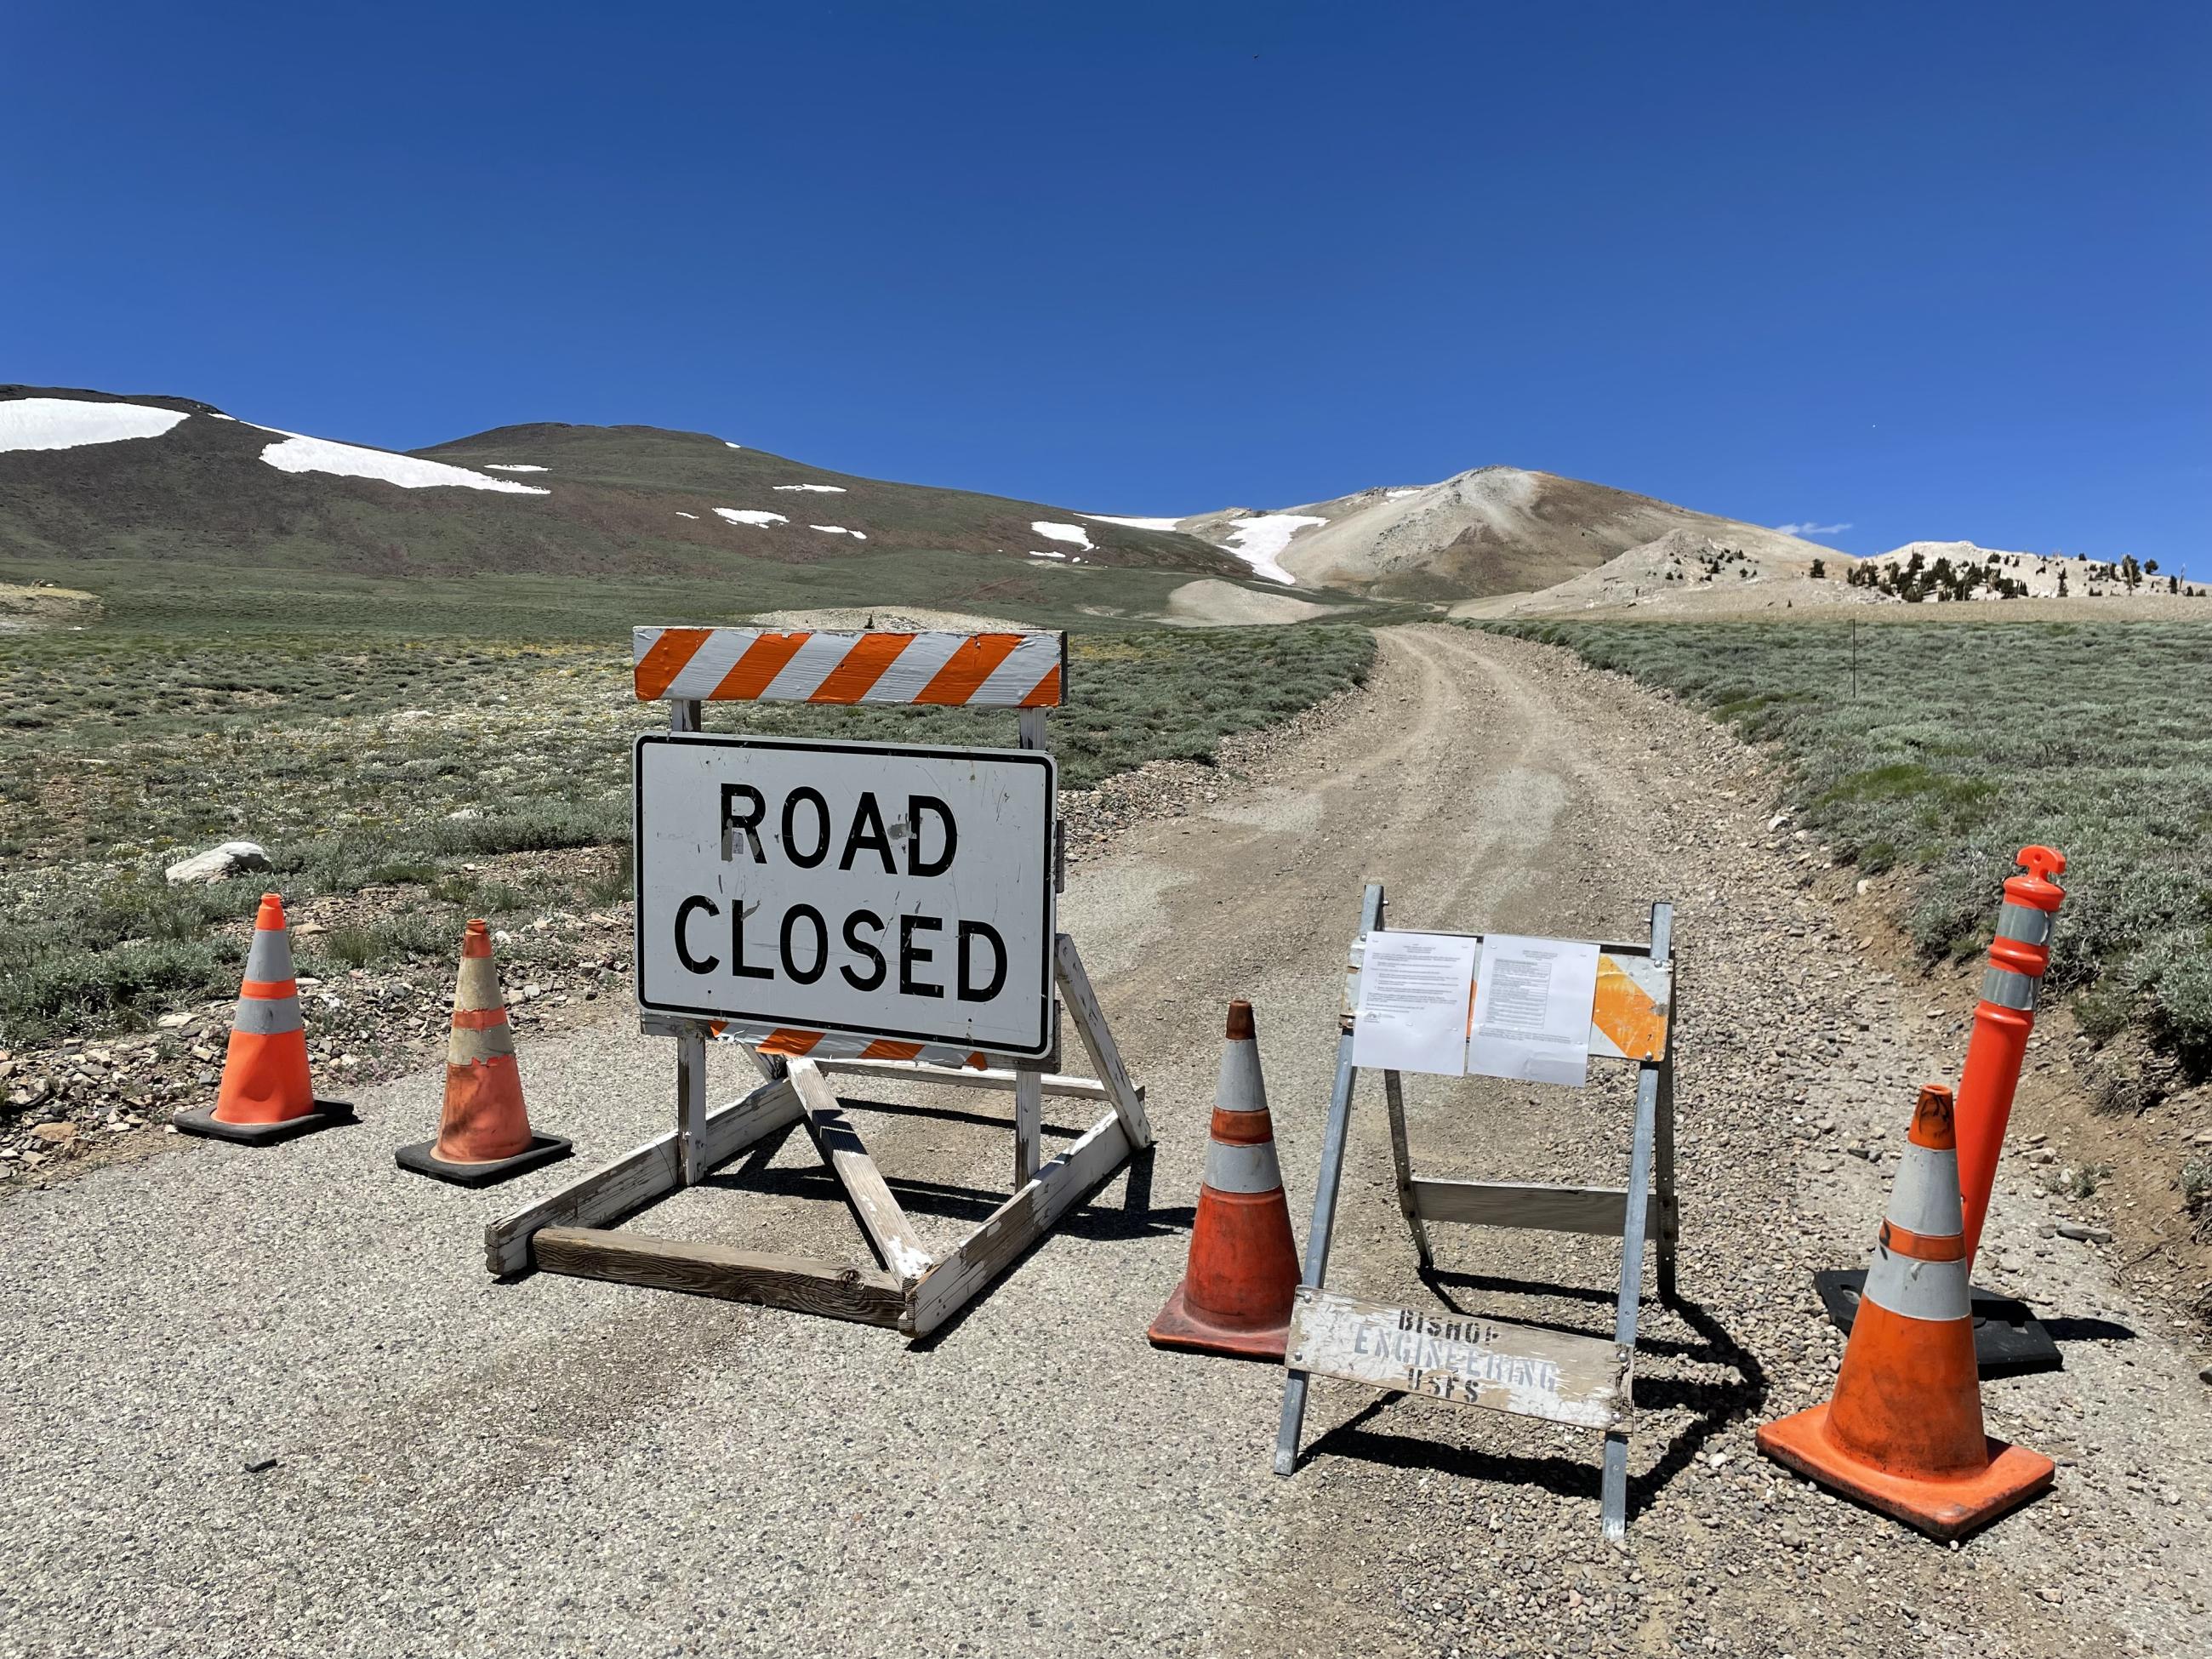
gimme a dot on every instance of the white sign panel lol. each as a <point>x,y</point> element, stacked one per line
<point>1533,1000</point>
<point>1412,1012</point>
<point>882,890</point>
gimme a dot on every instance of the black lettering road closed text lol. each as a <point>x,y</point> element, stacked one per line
<point>896,891</point>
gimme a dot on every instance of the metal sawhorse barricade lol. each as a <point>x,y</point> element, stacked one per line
<point>1492,1363</point>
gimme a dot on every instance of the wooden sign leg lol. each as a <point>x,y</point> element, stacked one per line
<point>1614,1486</point>
<point>692,1102</point>
<point>1330,1176</point>
<point>1098,1041</point>
<point>1029,1119</point>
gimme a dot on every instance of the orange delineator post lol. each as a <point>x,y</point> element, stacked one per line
<point>1902,1432</point>
<point>2019,956</point>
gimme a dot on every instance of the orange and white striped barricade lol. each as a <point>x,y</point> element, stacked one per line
<point>869,910</point>
<point>1524,1370</point>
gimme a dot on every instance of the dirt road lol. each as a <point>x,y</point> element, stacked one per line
<point>269,1404</point>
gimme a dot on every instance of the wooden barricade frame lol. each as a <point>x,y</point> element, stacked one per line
<point>908,1287</point>
<point>1474,1359</point>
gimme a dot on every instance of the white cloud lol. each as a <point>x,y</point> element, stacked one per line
<point>1808,528</point>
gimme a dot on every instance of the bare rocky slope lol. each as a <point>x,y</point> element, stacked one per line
<point>1495,530</point>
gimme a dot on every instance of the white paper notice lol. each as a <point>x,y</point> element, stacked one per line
<point>1532,1010</point>
<point>1413,990</point>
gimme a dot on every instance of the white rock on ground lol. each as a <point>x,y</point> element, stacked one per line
<point>231,859</point>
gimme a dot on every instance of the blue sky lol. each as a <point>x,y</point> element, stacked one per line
<point>1917,271</point>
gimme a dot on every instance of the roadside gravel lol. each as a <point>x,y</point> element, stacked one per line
<point>269,1404</point>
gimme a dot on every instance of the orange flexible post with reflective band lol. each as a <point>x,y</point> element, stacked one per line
<point>1236,1294</point>
<point>1902,1432</point>
<point>2019,955</point>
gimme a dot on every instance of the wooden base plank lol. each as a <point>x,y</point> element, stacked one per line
<point>1601,1210</point>
<point>635,1180</point>
<point>1466,1359</point>
<point>1017,1224</point>
<point>958,1077</point>
<point>842,1148</point>
<point>802,1283</point>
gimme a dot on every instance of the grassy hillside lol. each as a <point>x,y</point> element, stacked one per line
<point>615,505</point>
<point>421,768</point>
<point>1952,744</point>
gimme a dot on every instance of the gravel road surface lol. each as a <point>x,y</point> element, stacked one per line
<point>268,1403</point>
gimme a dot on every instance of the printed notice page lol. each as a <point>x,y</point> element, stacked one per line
<point>1532,1010</point>
<point>1414,991</point>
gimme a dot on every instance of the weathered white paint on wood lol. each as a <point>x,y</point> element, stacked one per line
<point>1098,1040</point>
<point>914,1071</point>
<point>841,1148</point>
<point>1469,1361</point>
<point>635,1180</point>
<point>867,1295</point>
<point>1017,1224</point>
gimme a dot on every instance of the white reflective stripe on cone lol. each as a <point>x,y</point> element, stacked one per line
<point>1242,1168</point>
<point>1925,1200</point>
<point>1917,1290</point>
<point>2024,923</point>
<point>1241,1088</point>
<point>2007,989</point>
<point>270,957</point>
<point>477,987</point>
<point>468,1048</point>
<point>267,1015</point>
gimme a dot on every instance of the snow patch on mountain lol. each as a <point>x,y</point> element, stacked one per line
<point>511,466</point>
<point>1133,524</point>
<point>73,423</point>
<point>818,489</point>
<point>1071,533</point>
<point>1259,541</point>
<point>298,454</point>
<point>749,515</point>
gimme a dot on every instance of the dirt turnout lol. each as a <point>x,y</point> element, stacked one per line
<point>269,1404</point>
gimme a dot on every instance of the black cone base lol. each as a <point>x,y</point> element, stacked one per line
<point>419,1158</point>
<point>2008,1340</point>
<point>327,1114</point>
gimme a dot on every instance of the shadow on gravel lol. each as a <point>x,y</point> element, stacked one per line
<point>1134,1218</point>
<point>2066,1328</point>
<point>1711,1402</point>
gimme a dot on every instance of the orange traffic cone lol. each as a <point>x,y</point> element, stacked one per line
<point>484,1135</point>
<point>265,1094</point>
<point>1234,1297</point>
<point>1903,1431</point>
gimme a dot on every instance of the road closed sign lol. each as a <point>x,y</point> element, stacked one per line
<point>879,890</point>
